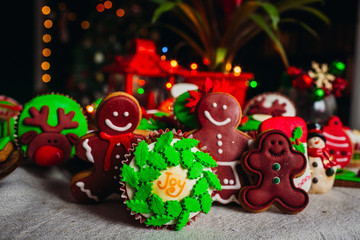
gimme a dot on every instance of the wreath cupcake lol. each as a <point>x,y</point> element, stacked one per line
<point>167,180</point>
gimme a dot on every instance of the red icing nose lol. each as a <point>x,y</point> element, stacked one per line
<point>49,156</point>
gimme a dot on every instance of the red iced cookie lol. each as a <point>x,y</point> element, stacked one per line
<point>219,114</point>
<point>338,142</point>
<point>118,115</point>
<point>275,164</point>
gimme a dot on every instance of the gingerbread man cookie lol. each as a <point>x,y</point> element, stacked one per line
<point>117,117</point>
<point>274,163</point>
<point>219,114</point>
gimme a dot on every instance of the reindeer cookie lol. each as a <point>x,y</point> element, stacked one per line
<point>274,164</point>
<point>48,128</point>
<point>219,114</point>
<point>117,116</point>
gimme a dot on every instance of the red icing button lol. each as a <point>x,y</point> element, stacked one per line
<point>49,156</point>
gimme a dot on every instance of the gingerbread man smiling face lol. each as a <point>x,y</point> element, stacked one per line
<point>219,115</point>
<point>118,115</point>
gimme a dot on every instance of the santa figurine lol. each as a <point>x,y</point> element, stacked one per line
<point>322,166</point>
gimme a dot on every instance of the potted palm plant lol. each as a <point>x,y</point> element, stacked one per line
<point>217,29</point>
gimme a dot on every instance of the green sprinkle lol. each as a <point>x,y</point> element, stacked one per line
<point>138,206</point>
<point>191,204</point>
<point>205,159</point>
<point>200,187</point>
<point>157,205</point>
<point>157,161</point>
<point>183,220</point>
<point>185,144</point>
<point>195,170</point>
<point>213,180</point>
<point>173,208</point>
<point>163,142</point>
<point>205,202</point>
<point>129,176</point>
<point>141,154</point>
<point>158,220</point>
<point>172,157</point>
<point>143,191</point>
<point>148,174</point>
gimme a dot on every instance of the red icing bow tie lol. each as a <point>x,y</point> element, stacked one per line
<point>124,139</point>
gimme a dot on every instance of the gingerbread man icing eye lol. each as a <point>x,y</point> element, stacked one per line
<point>118,115</point>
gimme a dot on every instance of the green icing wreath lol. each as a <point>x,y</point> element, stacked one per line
<point>168,152</point>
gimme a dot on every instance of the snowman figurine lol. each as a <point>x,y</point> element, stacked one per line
<point>322,166</point>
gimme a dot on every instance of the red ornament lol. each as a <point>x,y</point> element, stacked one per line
<point>302,82</point>
<point>294,71</point>
<point>338,142</point>
<point>338,86</point>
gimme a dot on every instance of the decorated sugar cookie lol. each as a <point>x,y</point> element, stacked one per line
<point>219,114</point>
<point>168,180</point>
<point>48,128</point>
<point>117,117</point>
<point>296,130</point>
<point>10,155</point>
<point>322,167</point>
<point>338,142</point>
<point>273,165</point>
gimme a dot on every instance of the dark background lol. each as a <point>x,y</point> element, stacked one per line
<point>336,42</point>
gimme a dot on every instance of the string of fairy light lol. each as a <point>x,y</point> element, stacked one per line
<point>46,39</point>
<point>85,24</point>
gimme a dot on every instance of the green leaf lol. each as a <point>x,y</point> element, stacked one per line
<point>186,159</point>
<point>205,159</point>
<point>148,174</point>
<point>182,220</point>
<point>220,55</point>
<point>272,11</point>
<point>138,206</point>
<point>200,187</point>
<point>173,208</point>
<point>172,157</point>
<point>191,204</point>
<point>163,141</point>
<point>186,143</point>
<point>315,12</point>
<point>129,176</point>
<point>297,133</point>
<point>300,147</point>
<point>157,161</point>
<point>158,220</point>
<point>157,205</point>
<point>302,24</point>
<point>213,180</point>
<point>205,202</point>
<point>141,154</point>
<point>143,191</point>
<point>195,170</point>
<point>164,7</point>
<point>264,26</point>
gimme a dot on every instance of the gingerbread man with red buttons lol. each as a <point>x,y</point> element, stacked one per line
<point>117,117</point>
<point>272,165</point>
<point>219,114</point>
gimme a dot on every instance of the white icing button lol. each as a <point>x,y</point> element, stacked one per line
<point>218,136</point>
<point>118,144</point>
<point>116,167</point>
<point>231,182</point>
<point>224,107</point>
<point>115,114</point>
<point>220,151</point>
<point>214,104</point>
<point>226,181</point>
<point>114,177</point>
<point>219,143</point>
<point>117,156</point>
<point>126,114</point>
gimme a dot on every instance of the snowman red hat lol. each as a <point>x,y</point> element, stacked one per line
<point>315,130</point>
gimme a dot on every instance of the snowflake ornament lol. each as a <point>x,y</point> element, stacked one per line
<point>321,76</point>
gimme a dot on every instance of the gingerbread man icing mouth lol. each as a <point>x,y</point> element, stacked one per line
<point>213,121</point>
<point>112,126</point>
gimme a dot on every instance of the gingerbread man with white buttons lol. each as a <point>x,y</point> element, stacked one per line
<point>117,116</point>
<point>219,114</point>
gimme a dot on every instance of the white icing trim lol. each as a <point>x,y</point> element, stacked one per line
<point>342,159</point>
<point>339,145</point>
<point>88,150</point>
<point>109,124</point>
<point>213,121</point>
<point>81,185</point>
<point>217,198</point>
<point>327,135</point>
<point>233,167</point>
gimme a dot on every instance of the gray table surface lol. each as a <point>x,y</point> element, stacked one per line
<point>36,204</point>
